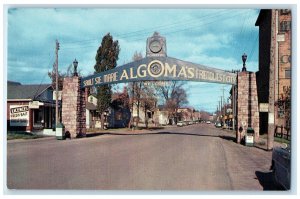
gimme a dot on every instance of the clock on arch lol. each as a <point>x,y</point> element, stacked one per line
<point>156,46</point>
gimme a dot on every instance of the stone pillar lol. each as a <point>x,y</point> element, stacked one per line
<point>247,104</point>
<point>73,107</point>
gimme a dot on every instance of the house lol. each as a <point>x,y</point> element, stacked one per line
<point>30,107</point>
<point>92,116</point>
<point>116,116</point>
<point>119,113</point>
<point>140,114</point>
<point>161,116</point>
<point>186,114</point>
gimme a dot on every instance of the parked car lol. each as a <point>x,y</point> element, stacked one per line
<point>180,123</point>
<point>207,122</point>
<point>218,125</point>
<point>190,122</point>
<point>281,166</point>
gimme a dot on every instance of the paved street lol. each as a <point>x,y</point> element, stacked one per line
<point>196,157</point>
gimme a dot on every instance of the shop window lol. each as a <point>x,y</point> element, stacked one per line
<point>281,112</point>
<point>285,12</point>
<point>285,26</point>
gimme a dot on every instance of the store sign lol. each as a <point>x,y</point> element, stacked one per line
<point>263,107</point>
<point>160,69</point>
<point>35,104</point>
<point>19,115</point>
<point>59,95</point>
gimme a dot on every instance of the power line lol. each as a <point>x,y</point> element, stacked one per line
<point>140,35</point>
<point>253,47</point>
<point>146,30</point>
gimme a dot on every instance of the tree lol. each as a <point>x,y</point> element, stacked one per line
<point>174,97</point>
<point>135,89</point>
<point>148,100</point>
<point>61,76</point>
<point>106,59</point>
<point>52,76</point>
<point>205,115</point>
<point>121,101</point>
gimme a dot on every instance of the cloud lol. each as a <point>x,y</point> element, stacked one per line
<point>211,37</point>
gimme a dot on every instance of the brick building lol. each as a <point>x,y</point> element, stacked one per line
<point>274,75</point>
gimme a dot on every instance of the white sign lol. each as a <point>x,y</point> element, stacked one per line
<point>59,95</point>
<point>263,107</point>
<point>35,104</point>
<point>271,118</point>
<point>19,115</point>
<point>280,37</point>
<point>249,139</point>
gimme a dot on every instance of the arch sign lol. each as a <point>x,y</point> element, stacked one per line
<point>157,66</point>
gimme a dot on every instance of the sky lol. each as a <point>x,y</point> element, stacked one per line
<point>211,37</point>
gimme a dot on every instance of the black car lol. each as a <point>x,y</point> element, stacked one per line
<point>281,166</point>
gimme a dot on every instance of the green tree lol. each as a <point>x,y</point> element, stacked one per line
<point>106,59</point>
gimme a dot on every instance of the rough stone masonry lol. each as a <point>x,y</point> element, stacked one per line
<point>247,104</point>
<point>73,107</point>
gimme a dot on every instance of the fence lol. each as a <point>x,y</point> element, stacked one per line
<point>282,132</point>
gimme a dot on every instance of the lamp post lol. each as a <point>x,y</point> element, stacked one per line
<point>244,58</point>
<point>75,63</point>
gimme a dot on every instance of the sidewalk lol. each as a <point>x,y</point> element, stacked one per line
<point>261,143</point>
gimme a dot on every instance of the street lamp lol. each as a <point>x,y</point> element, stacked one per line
<point>244,58</point>
<point>75,63</point>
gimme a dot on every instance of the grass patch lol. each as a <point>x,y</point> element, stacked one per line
<point>22,135</point>
<point>276,139</point>
<point>281,140</point>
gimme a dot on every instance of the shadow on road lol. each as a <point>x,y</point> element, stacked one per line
<point>225,137</point>
<point>266,181</point>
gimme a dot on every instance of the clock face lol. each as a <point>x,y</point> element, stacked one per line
<point>155,46</point>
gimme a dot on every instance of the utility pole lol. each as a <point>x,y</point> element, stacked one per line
<point>56,84</point>
<point>221,110</point>
<point>272,84</point>
<point>233,106</point>
<point>223,100</point>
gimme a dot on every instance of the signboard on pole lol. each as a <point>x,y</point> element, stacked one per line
<point>59,95</point>
<point>271,118</point>
<point>19,115</point>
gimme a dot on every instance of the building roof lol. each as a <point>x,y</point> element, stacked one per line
<point>16,90</point>
<point>261,16</point>
<point>186,107</point>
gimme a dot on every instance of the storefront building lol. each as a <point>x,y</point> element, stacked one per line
<point>30,108</point>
